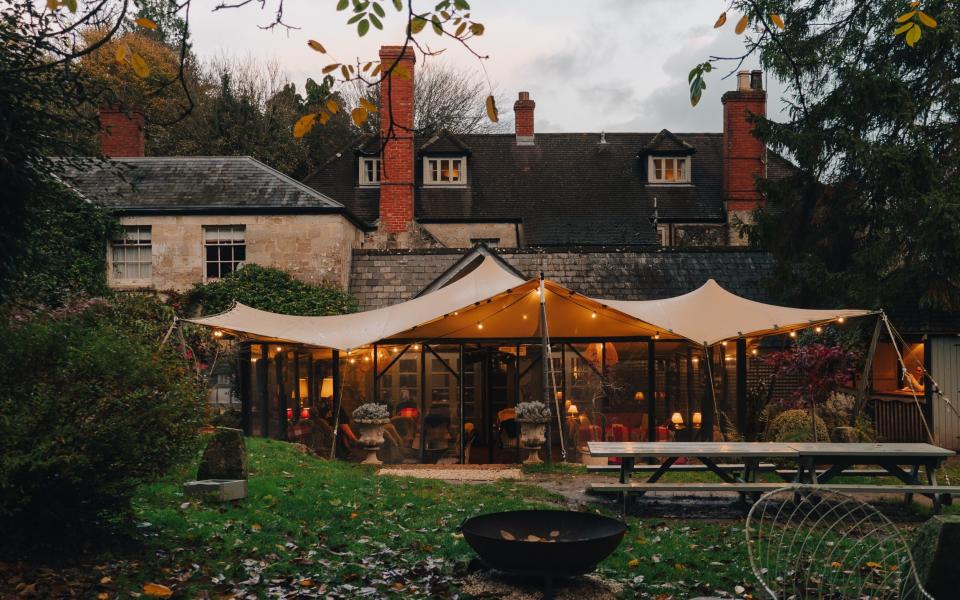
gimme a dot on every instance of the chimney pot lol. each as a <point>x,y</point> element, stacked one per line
<point>743,81</point>
<point>756,80</point>
<point>523,119</point>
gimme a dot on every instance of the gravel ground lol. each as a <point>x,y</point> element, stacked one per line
<point>456,473</point>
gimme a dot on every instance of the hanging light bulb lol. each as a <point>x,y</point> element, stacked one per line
<point>818,329</point>
<point>524,317</point>
<point>841,320</point>
<point>593,315</point>
<point>479,325</point>
<point>723,343</point>
<point>656,336</point>
<point>217,333</point>
<point>754,352</point>
<point>793,334</point>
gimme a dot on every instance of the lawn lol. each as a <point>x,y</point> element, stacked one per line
<point>317,528</point>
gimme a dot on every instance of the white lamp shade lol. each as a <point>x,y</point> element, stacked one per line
<point>677,419</point>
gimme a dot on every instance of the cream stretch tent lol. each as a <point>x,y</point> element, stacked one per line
<point>710,314</point>
<point>491,303</point>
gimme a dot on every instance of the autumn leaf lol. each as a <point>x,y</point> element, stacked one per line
<point>146,23</point>
<point>401,71</point>
<point>720,20</point>
<point>332,106</point>
<point>913,36</point>
<point>52,4</point>
<point>140,66</point>
<point>927,19</point>
<point>122,53</point>
<point>492,109</point>
<point>742,24</point>
<point>345,72</point>
<point>324,118</point>
<point>330,68</point>
<point>155,590</point>
<point>633,563</point>
<point>477,28</point>
<point>317,46</point>
<point>359,116</point>
<point>370,106</point>
<point>906,16</point>
<point>417,24</point>
<point>903,28</point>
<point>778,21</point>
<point>256,527</point>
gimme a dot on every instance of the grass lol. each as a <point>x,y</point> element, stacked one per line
<point>318,526</point>
<point>311,527</point>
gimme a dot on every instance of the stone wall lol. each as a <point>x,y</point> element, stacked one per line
<point>459,235</point>
<point>313,248</point>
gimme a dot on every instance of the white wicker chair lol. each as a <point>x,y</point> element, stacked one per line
<point>815,543</point>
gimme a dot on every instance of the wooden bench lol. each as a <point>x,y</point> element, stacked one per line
<point>789,474</point>
<point>767,467</point>
<point>848,488</point>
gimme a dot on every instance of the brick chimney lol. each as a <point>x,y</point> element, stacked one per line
<point>523,119</point>
<point>397,179</point>
<point>121,133</point>
<point>744,156</point>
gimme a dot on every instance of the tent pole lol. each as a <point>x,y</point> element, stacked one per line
<point>544,360</point>
<point>336,402</point>
<point>708,357</point>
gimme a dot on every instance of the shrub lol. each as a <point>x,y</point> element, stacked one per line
<point>270,289</point>
<point>91,405</point>
<point>371,411</point>
<point>533,411</point>
<point>794,426</point>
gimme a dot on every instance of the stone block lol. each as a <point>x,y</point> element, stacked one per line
<point>936,552</point>
<point>225,456</point>
<point>218,490</point>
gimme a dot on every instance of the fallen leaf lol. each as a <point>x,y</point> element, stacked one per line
<point>256,527</point>
<point>633,563</point>
<point>156,590</point>
<point>507,535</point>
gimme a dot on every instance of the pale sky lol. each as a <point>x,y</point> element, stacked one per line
<point>590,65</point>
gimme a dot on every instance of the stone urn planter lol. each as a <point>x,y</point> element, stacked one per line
<point>533,418</point>
<point>370,419</point>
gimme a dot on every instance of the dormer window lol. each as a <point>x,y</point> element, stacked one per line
<point>369,171</point>
<point>668,169</point>
<point>445,171</point>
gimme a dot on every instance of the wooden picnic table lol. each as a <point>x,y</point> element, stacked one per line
<point>837,457</point>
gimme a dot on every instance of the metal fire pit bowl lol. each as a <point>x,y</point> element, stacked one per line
<point>581,541</point>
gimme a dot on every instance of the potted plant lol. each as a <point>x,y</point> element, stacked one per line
<point>370,418</point>
<point>533,418</point>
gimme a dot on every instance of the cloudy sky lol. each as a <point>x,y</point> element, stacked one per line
<point>612,65</point>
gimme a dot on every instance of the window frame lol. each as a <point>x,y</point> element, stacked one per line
<point>428,170</point>
<point>125,243</point>
<point>362,176</point>
<point>220,242</point>
<point>652,171</point>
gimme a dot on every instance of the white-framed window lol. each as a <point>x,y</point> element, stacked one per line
<point>225,249</point>
<point>132,257</point>
<point>445,171</point>
<point>668,169</point>
<point>369,171</point>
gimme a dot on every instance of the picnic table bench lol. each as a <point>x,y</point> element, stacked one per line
<point>837,459</point>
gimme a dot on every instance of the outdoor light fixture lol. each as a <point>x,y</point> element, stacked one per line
<point>479,325</point>
<point>793,334</point>
<point>416,347</point>
<point>593,315</point>
<point>656,336</point>
<point>818,329</point>
<point>279,348</point>
<point>754,352</point>
<point>841,320</point>
<point>217,333</point>
<point>697,420</point>
<point>723,343</point>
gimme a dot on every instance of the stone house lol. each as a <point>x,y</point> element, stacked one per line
<point>615,215</point>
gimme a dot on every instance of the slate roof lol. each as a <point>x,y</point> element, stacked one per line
<point>193,183</point>
<point>382,277</point>
<point>566,189</point>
